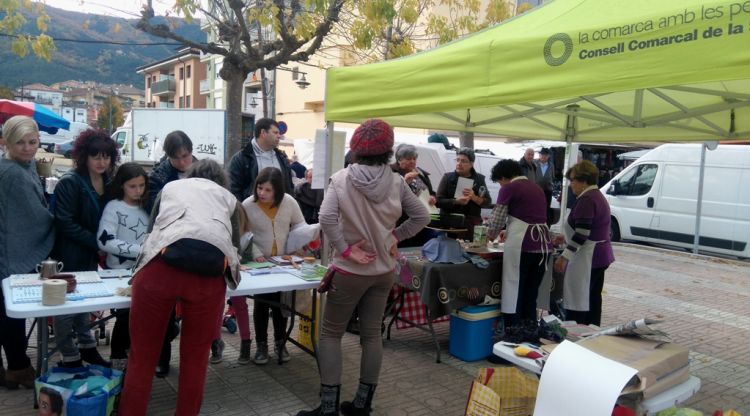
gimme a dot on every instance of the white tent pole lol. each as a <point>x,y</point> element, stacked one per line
<point>570,133</point>
<point>699,202</point>
<point>326,253</point>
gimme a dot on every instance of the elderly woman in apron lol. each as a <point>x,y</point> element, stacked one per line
<point>527,272</point>
<point>589,250</point>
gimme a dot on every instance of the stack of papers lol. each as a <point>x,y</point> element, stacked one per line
<point>312,273</point>
<point>281,261</point>
<point>33,294</point>
<point>253,265</point>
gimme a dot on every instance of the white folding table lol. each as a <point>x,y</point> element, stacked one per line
<point>277,281</point>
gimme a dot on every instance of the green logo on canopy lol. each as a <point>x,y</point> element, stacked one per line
<point>558,59</point>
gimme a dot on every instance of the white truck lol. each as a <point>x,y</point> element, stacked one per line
<point>141,137</point>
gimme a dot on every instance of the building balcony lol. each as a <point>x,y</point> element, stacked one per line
<point>165,87</point>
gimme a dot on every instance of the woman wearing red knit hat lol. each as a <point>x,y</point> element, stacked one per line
<point>360,208</point>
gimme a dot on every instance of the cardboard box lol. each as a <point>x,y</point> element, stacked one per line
<point>660,365</point>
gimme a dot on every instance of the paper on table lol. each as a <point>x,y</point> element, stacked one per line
<point>424,196</point>
<point>462,184</point>
<point>576,381</point>
<point>255,265</point>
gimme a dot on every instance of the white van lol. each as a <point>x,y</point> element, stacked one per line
<point>654,199</point>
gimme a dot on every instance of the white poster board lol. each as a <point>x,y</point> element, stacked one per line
<point>323,147</point>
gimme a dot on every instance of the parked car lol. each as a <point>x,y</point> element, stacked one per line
<point>65,148</point>
<point>48,141</point>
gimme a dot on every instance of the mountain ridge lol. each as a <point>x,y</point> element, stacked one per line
<point>104,63</point>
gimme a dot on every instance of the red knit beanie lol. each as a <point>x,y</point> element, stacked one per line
<point>371,138</point>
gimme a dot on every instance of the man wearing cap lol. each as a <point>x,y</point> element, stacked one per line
<point>260,153</point>
<point>440,138</point>
<point>359,211</point>
<point>545,178</point>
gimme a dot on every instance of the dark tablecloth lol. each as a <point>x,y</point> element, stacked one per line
<point>445,287</point>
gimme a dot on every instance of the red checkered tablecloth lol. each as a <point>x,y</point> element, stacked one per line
<point>413,309</point>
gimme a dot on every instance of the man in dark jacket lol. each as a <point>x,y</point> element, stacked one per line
<point>260,153</point>
<point>528,167</point>
<point>545,178</point>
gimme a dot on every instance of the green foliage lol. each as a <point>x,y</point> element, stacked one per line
<point>386,29</point>
<point>6,93</point>
<point>14,20</point>
<point>524,7</point>
<point>104,111</point>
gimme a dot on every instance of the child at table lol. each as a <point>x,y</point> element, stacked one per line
<point>121,232</point>
<point>271,214</point>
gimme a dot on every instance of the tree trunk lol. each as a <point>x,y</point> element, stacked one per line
<point>235,78</point>
<point>466,138</point>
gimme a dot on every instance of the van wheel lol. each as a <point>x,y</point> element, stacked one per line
<point>614,232</point>
<point>68,154</point>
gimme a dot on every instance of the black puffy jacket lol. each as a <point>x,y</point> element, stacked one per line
<point>78,209</point>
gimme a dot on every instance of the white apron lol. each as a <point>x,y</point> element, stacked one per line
<point>578,274</point>
<point>515,233</point>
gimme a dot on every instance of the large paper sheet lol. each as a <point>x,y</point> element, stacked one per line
<point>462,184</point>
<point>424,196</point>
<point>578,382</point>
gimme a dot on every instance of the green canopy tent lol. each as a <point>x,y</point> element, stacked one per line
<point>572,70</point>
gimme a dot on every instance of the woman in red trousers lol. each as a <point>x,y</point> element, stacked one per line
<point>191,254</point>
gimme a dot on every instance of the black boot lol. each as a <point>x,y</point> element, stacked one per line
<point>91,356</point>
<point>329,402</point>
<point>362,403</point>
<point>24,377</point>
<point>162,368</point>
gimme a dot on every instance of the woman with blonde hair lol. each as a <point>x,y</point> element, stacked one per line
<point>26,235</point>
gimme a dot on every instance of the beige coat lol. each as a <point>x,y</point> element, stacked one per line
<point>266,231</point>
<point>200,209</point>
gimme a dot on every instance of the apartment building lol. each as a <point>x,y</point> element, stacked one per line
<point>174,82</point>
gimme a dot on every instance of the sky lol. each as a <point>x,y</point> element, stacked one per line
<point>119,8</point>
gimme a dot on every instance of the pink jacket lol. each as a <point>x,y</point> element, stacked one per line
<point>364,203</point>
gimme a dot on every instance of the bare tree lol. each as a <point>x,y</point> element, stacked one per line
<point>252,35</point>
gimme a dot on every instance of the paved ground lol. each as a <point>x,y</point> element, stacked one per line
<point>703,301</point>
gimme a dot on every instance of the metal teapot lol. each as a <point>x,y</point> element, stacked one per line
<point>49,268</point>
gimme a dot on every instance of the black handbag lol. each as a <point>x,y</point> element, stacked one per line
<point>195,256</point>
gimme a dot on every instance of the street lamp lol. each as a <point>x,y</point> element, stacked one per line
<point>303,83</point>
